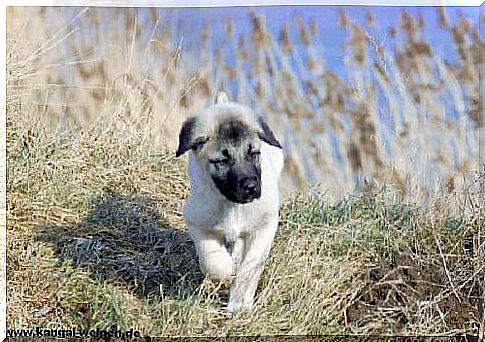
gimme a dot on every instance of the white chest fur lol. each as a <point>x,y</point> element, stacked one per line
<point>235,221</point>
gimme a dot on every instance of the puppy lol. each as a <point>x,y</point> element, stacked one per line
<point>235,163</point>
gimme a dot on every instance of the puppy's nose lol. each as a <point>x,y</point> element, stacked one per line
<point>249,185</point>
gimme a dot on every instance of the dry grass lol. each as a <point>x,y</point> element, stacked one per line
<point>95,236</point>
<point>135,63</point>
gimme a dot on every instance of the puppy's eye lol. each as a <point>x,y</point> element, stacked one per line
<point>199,143</point>
<point>255,154</point>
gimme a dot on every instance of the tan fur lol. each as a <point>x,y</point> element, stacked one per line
<point>214,221</point>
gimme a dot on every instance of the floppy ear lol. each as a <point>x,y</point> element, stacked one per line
<point>266,134</point>
<point>185,137</point>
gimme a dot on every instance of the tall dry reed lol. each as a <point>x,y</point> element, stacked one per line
<point>402,116</point>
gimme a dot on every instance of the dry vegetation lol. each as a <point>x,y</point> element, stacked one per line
<point>130,62</point>
<point>95,235</point>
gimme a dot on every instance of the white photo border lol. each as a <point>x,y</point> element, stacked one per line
<point>145,3</point>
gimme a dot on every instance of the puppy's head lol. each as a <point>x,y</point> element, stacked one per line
<point>226,142</point>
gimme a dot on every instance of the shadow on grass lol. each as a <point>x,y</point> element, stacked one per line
<point>125,239</point>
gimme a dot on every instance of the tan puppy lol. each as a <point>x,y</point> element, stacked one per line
<point>235,163</point>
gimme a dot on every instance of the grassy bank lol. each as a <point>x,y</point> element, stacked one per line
<point>96,239</point>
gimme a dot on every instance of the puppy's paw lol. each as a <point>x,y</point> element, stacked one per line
<point>236,305</point>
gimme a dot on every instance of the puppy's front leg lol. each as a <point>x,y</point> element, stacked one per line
<point>214,259</point>
<point>256,251</point>
<point>238,252</point>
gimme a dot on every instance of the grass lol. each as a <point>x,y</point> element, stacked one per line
<point>95,235</point>
<point>96,239</point>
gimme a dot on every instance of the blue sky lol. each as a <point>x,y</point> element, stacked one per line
<point>332,37</point>
<point>188,22</point>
